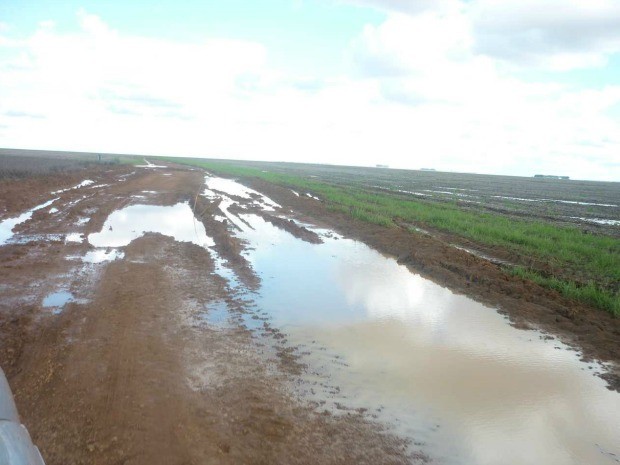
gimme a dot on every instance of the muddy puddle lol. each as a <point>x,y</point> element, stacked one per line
<point>56,301</point>
<point>447,372</point>
<point>129,223</point>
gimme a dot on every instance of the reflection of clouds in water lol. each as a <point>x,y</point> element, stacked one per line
<point>381,287</point>
<point>492,406</point>
<point>503,395</point>
<point>388,290</point>
<point>134,221</point>
<point>432,314</point>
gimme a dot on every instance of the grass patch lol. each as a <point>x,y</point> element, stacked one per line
<point>589,293</point>
<point>572,255</point>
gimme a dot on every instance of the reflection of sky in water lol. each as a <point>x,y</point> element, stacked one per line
<point>177,221</point>
<point>74,237</point>
<point>502,395</point>
<point>293,272</point>
<point>102,255</point>
<point>57,299</point>
<point>232,187</point>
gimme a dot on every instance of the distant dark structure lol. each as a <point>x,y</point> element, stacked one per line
<point>427,169</point>
<point>382,166</point>
<point>550,176</point>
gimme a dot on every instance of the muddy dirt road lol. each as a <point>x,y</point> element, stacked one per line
<point>148,316</point>
<point>126,370</point>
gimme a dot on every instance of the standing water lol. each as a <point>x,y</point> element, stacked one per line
<point>446,371</point>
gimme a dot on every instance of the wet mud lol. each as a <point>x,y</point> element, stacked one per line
<point>160,316</point>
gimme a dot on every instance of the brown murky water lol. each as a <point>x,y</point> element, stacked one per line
<point>444,370</point>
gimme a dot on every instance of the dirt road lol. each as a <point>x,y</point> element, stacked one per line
<point>128,371</point>
<point>128,335</point>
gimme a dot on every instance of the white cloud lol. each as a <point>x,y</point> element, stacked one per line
<point>419,93</point>
<point>557,34</point>
<point>411,7</point>
<point>93,24</point>
<point>82,82</point>
<point>469,113</point>
<point>403,43</point>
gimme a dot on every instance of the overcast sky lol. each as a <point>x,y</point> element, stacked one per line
<point>488,86</point>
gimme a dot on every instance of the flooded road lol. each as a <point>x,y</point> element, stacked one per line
<point>446,371</point>
<point>146,324</point>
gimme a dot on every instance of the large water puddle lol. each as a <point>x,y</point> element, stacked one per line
<point>127,224</point>
<point>446,371</point>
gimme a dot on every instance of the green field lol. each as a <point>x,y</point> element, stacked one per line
<point>585,267</point>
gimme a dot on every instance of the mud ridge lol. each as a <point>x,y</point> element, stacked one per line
<point>227,245</point>
<point>293,228</point>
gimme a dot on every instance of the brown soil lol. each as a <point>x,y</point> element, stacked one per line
<point>130,373</point>
<point>21,195</point>
<point>593,332</point>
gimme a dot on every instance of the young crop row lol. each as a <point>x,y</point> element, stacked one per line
<point>585,267</point>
